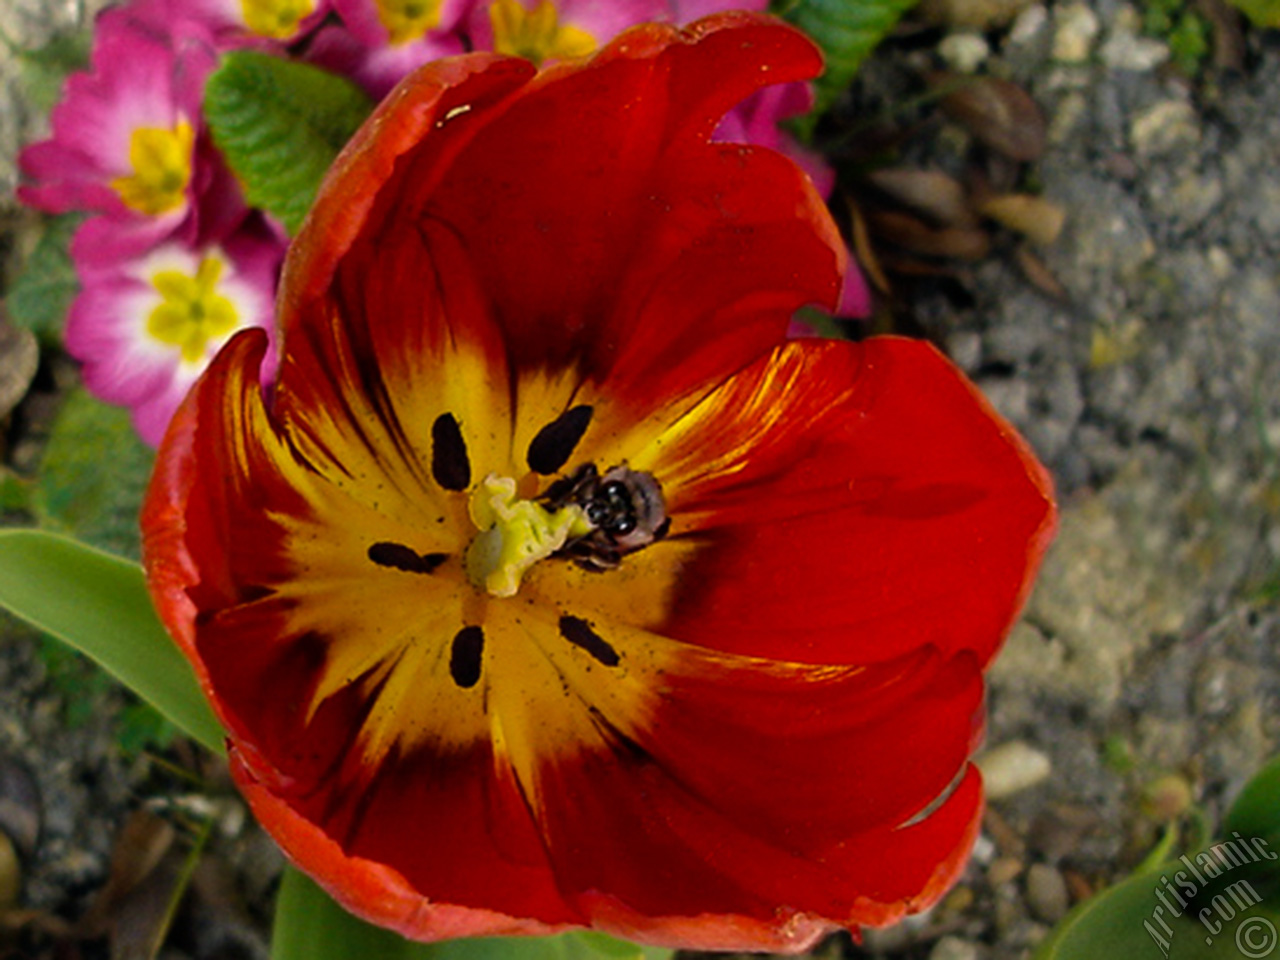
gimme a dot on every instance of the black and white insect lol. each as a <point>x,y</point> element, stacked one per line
<point>625,508</point>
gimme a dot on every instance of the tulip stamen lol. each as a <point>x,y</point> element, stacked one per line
<point>554,444</point>
<point>397,556</point>
<point>450,465</point>
<point>514,535</point>
<point>466,656</point>
<point>582,635</point>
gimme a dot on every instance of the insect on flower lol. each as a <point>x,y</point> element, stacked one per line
<point>550,586</point>
<point>624,508</point>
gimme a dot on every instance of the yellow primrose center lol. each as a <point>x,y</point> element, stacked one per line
<point>191,312</point>
<point>536,34</point>
<point>408,20</point>
<point>161,161</point>
<point>514,535</point>
<point>277,19</point>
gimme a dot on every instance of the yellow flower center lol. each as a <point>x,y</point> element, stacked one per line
<point>277,19</point>
<point>407,20</point>
<point>191,311</point>
<point>536,34</point>
<point>161,161</point>
<point>514,535</point>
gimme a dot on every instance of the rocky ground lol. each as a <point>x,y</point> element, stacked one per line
<point>1146,673</point>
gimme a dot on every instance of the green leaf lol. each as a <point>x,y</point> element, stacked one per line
<point>43,290</point>
<point>15,492</point>
<point>847,31</point>
<point>309,925</point>
<point>93,475</point>
<point>1263,13</point>
<point>1179,909</point>
<point>280,124</point>
<point>1253,823</point>
<point>1256,811</point>
<point>44,69</point>
<point>98,603</point>
<point>141,727</point>
<point>1129,920</point>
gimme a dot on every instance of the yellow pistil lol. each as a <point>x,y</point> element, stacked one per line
<point>407,20</point>
<point>536,34</point>
<point>277,19</point>
<point>191,311</point>
<point>514,535</point>
<point>161,161</point>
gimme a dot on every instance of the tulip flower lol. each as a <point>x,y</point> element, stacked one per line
<point>548,585</point>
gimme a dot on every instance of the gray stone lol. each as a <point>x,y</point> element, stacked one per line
<point>1125,49</point>
<point>1165,128</point>
<point>1047,894</point>
<point>1075,27</point>
<point>965,348</point>
<point>1012,767</point>
<point>964,51</point>
<point>954,948</point>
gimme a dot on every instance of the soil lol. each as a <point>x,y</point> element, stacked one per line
<point>1144,679</point>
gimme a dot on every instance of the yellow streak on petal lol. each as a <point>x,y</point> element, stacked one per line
<point>547,698</point>
<point>639,592</point>
<point>161,161</point>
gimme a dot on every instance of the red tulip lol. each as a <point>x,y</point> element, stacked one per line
<point>550,587</point>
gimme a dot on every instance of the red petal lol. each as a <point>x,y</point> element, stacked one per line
<point>908,512</point>
<point>604,229</point>
<point>800,830</point>
<point>369,889</point>
<point>402,839</point>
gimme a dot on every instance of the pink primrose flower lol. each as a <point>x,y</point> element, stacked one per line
<point>128,140</point>
<point>145,327</point>
<point>239,23</point>
<point>541,30</point>
<point>380,42</point>
<point>124,135</point>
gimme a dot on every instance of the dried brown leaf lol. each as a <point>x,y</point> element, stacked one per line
<point>140,918</point>
<point>1227,33</point>
<point>140,846</point>
<point>1039,275</point>
<point>998,112</point>
<point>916,236</point>
<point>975,14</point>
<point>51,925</point>
<point>863,249</point>
<point>10,873</point>
<point>1037,219</point>
<point>931,193</point>
<point>915,267</point>
<point>19,357</point>
<point>21,811</point>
